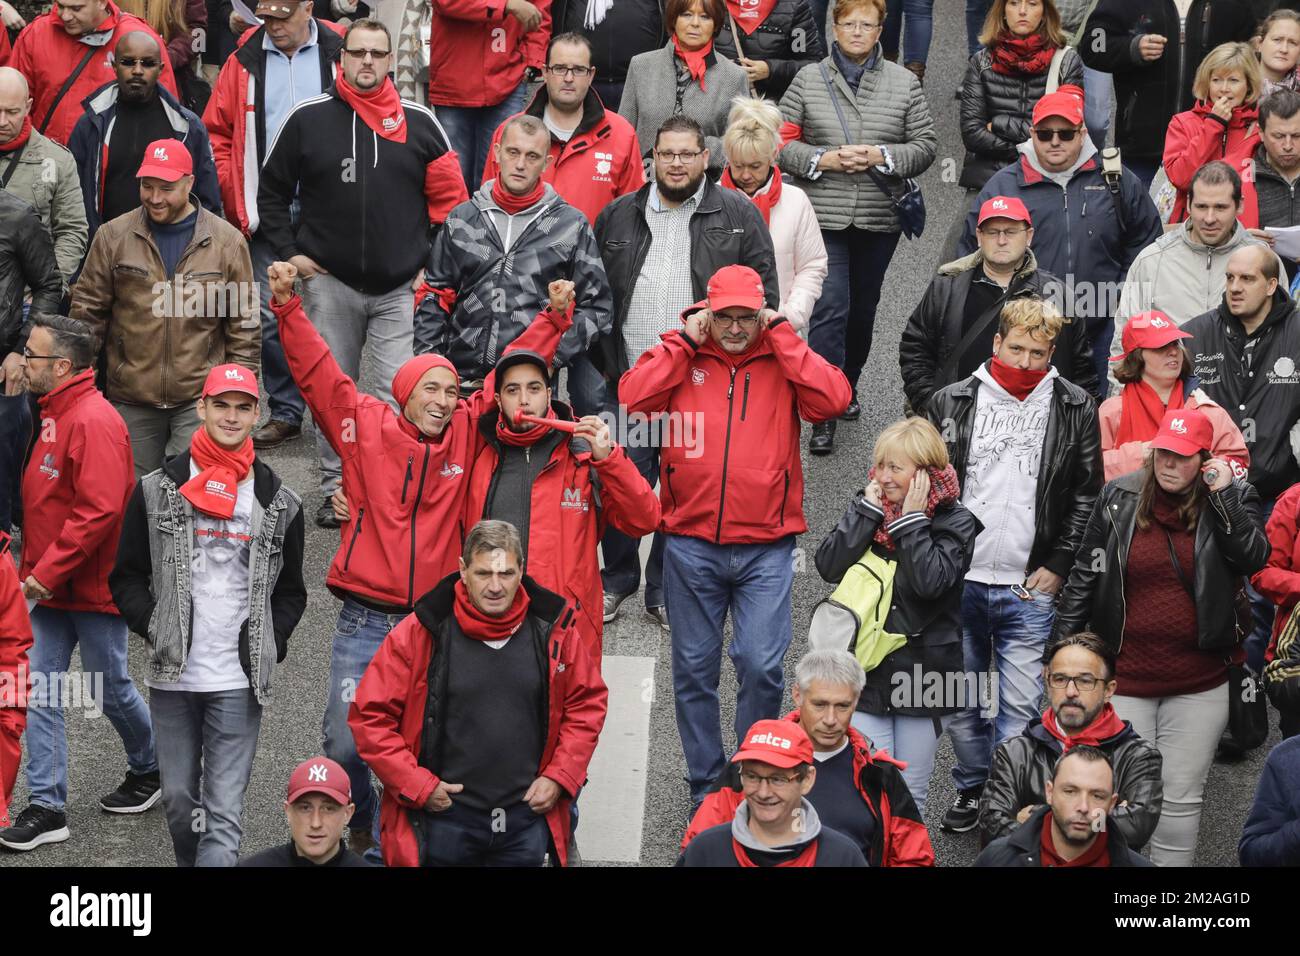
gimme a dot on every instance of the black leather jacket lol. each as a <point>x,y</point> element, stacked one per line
<point>1022,847</point>
<point>1071,471</point>
<point>26,262</point>
<point>788,40</point>
<point>1230,545</point>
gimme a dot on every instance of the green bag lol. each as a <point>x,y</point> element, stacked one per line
<point>853,617</point>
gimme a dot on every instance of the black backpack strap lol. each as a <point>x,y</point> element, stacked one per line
<point>67,85</point>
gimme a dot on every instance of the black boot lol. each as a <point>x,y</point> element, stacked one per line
<point>822,441</point>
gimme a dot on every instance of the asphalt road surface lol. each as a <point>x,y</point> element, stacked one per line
<point>636,807</point>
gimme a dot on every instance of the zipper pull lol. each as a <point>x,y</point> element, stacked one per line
<point>731,389</point>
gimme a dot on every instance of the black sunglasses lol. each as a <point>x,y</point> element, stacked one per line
<point>1045,135</point>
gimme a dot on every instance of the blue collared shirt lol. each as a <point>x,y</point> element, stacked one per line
<point>289,80</point>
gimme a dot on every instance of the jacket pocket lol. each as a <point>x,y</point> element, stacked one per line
<point>352,542</point>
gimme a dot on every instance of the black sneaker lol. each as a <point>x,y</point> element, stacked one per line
<point>34,826</point>
<point>138,792</point>
<point>964,812</point>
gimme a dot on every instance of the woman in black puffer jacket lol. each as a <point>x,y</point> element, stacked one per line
<point>774,48</point>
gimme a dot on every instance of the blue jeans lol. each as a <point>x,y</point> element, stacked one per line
<point>586,387</point>
<point>460,836</point>
<point>976,12</point>
<point>920,24</point>
<point>206,745</point>
<point>845,316</point>
<point>622,571</point>
<point>1100,337</point>
<point>999,630</point>
<point>1098,98</point>
<point>1143,169</point>
<point>102,638</point>
<point>702,582</point>
<point>15,433</point>
<point>914,740</point>
<point>358,635</point>
<point>470,130</point>
<point>282,395</point>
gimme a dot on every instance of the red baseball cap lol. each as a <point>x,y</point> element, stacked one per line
<point>1150,330</point>
<point>320,775</point>
<point>1066,102</point>
<point>166,159</point>
<point>782,743</point>
<point>230,378</point>
<point>1004,207</point>
<point>735,285</point>
<point>1184,431</point>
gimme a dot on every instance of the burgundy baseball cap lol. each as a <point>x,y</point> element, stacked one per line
<point>1150,330</point>
<point>279,9</point>
<point>320,775</point>
<point>1066,102</point>
<point>1004,207</point>
<point>230,378</point>
<point>735,286</point>
<point>1184,431</point>
<point>166,159</point>
<point>782,743</point>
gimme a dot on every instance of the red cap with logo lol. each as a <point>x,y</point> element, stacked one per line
<point>1184,431</point>
<point>735,286</point>
<point>1150,330</point>
<point>320,775</point>
<point>1066,102</point>
<point>230,378</point>
<point>1004,207</point>
<point>166,159</point>
<point>782,743</point>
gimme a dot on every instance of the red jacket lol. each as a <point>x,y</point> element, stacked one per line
<point>78,481</point>
<point>47,56</point>
<point>1279,580</point>
<point>573,500</point>
<point>478,53</point>
<point>901,837</point>
<point>390,711</point>
<point>599,163</point>
<point>405,492</point>
<point>730,467</point>
<point>15,642</point>
<point>1196,137</point>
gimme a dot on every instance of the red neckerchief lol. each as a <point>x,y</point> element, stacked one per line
<point>1104,726</point>
<point>767,196</point>
<point>694,60</point>
<point>516,204</point>
<point>524,439</point>
<point>1018,382</point>
<point>750,14</point>
<point>943,489</point>
<point>807,858</point>
<point>1141,411</point>
<point>380,108</point>
<point>21,138</point>
<point>1095,855</point>
<point>1021,56</point>
<point>215,488</point>
<point>474,623</point>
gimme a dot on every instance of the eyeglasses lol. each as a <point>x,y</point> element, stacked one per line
<point>679,156</point>
<point>576,71</point>
<point>373,54</point>
<point>857,26</point>
<point>28,354</point>
<point>1084,682</point>
<point>1066,135</point>
<point>1001,233</point>
<point>777,781</point>
<point>722,322</point>
<point>131,61</point>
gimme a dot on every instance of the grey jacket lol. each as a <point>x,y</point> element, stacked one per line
<point>889,110</point>
<point>46,177</point>
<point>151,580</point>
<point>650,97</point>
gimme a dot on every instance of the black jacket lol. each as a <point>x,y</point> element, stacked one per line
<point>1022,766</point>
<point>933,556</point>
<point>1263,397</point>
<point>1230,545</point>
<point>26,262</point>
<point>726,229</point>
<point>1022,847</point>
<point>788,40</point>
<point>715,848</point>
<point>934,330</point>
<point>1148,94</point>
<point>1070,475</point>
<point>629,28</point>
<point>1007,102</point>
<point>286,855</point>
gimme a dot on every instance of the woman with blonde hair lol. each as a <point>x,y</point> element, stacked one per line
<point>909,519</point>
<point>751,143</point>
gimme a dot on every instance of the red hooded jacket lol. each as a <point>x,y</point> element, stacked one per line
<point>901,837</point>
<point>1279,580</point>
<point>730,466</point>
<point>78,481</point>
<point>47,56</point>
<point>478,52</point>
<point>15,642</point>
<point>389,714</point>
<point>1196,137</point>
<point>405,492</point>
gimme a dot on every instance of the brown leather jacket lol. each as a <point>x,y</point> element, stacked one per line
<point>162,333</point>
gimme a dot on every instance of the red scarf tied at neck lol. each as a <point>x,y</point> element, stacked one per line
<point>20,139</point>
<point>527,438</point>
<point>1095,855</point>
<point>944,488</point>
<point>1141,411</point>
<point>1104,726</point>
<point>749,15</point>
<point>806,857</point>
<point>767,196</point>
<point>474,623</point>
<point>1018,382</point>
<point>215,488</point>
<point>1022,56</point>
<point>694,60</point>
<point>380,108</point>
<point>513,204</point>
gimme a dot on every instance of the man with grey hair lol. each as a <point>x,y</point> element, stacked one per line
<point>858,793</point>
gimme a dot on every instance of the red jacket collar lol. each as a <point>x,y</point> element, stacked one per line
<point>59,399</point>
<point>1029,175</point>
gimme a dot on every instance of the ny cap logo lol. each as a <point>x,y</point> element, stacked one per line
<point>318,773</point>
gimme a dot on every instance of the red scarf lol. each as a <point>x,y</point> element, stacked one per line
<point>750,14</point>
<point>1095,855</point>
<point>1022,56</point>
<point>1018,382</point>
<point>215,488</point>
<point>474,623</point>
<point>767,196</point>
<point>694,61</point>
<point>21,138</point>
<point>807,858</point>
<point>516,204</point>
<point>943,489</point>
<point>1141,411</point>
<point>380,108</point>
<point>1105,725</point>
<point>524,439</point>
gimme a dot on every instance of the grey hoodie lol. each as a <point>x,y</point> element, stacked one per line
<point>812,825</point>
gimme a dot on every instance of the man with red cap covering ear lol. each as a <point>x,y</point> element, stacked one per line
<point>405,478</point>
<point>209,570</point>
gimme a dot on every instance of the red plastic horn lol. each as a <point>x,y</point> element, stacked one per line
<point>559,424</point>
